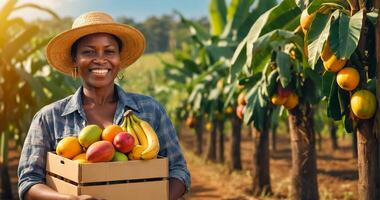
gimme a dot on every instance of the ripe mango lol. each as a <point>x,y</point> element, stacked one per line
<point>68,147</point>
<point>81,158</point>
<point>89,134</point>
<point>100,151</point>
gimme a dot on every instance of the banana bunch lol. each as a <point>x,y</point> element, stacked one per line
<point>146,140</point>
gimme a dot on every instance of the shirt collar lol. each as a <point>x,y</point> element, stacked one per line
<point>75,102</point>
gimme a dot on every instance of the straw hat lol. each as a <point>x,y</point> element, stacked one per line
<point>58,51</point>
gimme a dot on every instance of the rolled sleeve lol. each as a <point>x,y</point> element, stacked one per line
<point>171,149</point>
<point>31,168</point>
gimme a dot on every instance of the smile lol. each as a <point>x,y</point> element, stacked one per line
<point>99,71</point>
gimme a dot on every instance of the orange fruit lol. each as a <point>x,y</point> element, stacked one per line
<point>348,78</point>
<point>190,121</point>
<point>110,132</point>
<point>333,64</point>
<point>306,20</point>
<point>278,100</point>
<point>363,104</point>
<point>291,101</point>
<point>68,147</point>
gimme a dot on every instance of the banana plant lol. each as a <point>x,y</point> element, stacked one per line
<point>26,82</point>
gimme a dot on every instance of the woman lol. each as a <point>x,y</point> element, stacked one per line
<point>95,49</point>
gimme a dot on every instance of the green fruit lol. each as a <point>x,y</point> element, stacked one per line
<point>89,134</point>
<point>118,156</point>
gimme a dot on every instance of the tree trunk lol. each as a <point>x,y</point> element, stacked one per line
<point>354,146</point>
<point>211,153</point>
<point>273,133</point>
<point>199,135</point>
<point>235,143</point>
<point>334,139</point>
<point>260,163</point>
<point>220,127</point>
<point>368,139</point>
<point>304,183</point>
<point>5,180</point>
<point>368,157</point>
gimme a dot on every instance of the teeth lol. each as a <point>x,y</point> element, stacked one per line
<point>99,71</point>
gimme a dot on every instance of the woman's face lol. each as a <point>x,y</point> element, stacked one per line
<point>98,59</point>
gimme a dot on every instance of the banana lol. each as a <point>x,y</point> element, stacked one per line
<point>153,147</point>
<point>139,132</point>
<point>135,154</point>
<point>131,131</point>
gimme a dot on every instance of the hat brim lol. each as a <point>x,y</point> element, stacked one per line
<point>58,50</point>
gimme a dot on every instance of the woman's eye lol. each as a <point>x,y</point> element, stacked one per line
<point>88,52</point>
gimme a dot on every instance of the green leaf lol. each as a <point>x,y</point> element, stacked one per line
<point>237,61</point>
<point>333,106</point>
<point>348,125</point>
<point>196,30</point>
<point>317,4</point>
<point>345,33</point>
<point>263,46</point>
<point>318,34</point>
<point>372,17</point>
<point>261,7</point>
<point>327,79</point>
<point>218,13</point>
<point>274,17</point>
<point>238,11</point>
<point>284,68</point>
<point>272,83</point>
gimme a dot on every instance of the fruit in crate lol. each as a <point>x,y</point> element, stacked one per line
<point>118,156</point>
<point>124,142</point>
<point>147,145</point>
<point>100,151</point>
<point>110,132</point>
<point>81,158</point>
<point>68,147</point>
<point>89,134</point>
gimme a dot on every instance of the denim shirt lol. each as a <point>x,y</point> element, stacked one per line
<point>66,117</point>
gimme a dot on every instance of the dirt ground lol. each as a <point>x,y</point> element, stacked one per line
<point>337,171</point>
<point>337,174</point>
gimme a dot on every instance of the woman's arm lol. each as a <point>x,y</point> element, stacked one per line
<point>176,189</point>
<point>41,192</point>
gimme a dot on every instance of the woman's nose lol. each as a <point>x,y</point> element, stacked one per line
<point>100,58</point>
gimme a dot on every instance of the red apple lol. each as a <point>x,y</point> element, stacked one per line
<point>124,142</point>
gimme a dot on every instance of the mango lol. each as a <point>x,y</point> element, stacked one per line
<point>68,147</point>
<point>81,158</point>
<point>118,156</point>
<point>89,134</point>
<point>100,151</point>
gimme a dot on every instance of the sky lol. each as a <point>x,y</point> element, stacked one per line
<point>136,9</point>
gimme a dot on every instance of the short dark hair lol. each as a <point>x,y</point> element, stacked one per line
<point>74,47</point>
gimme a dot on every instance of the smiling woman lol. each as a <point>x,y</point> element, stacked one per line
<point>95,49</point>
